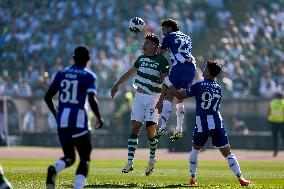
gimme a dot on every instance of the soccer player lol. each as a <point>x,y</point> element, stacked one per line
<point>74,83</point>
<point>148,68</point>
<point>4,183</point>
<point>208,120</point>
<point>181,74</point>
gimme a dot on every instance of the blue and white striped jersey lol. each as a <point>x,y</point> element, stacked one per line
<point>73,84</point>
<point>208,96</point>
<point>179,46</point>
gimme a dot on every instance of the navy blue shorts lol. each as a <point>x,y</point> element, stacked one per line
<point>219,137</point>
<point>82,144</point>
<point>182,75</point>
<point>66,135</point>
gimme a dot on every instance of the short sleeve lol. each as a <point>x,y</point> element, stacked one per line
<point>92,87</point>
<point>192,91</point>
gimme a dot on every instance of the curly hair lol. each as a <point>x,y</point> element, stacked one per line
<point>172,24</point>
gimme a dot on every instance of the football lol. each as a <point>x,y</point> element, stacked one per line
<point>136,25</point>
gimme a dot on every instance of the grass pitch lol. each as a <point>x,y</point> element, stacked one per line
<point>31,173</point>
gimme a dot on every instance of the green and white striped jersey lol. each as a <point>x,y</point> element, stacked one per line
<point>149,71</point>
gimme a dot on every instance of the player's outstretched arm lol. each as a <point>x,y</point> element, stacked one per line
<point>95,108</point>
<point>159,104</point>
<point>180,94</point>
<point>124,77</point>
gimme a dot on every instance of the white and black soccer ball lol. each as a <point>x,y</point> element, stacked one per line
<point>136,25</point>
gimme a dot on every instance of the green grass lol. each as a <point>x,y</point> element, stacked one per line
<point>31,173</point>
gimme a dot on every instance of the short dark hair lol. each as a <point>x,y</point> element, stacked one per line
<point>81,56</point>
<point>152,37</point>
<point>172,24</point>
<point>213,67</point>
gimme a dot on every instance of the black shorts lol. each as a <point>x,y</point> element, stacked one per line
<point>82,144</point>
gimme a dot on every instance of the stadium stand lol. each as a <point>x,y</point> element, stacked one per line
<point>37,39</point>
<point>38,42</point>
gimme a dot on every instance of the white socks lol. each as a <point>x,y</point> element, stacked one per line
<point>193,161</point>
<point>180,116</point>
<point>234,165</point>
<point>80,181</point>
<point>59,165</point>
<point>166,112</point>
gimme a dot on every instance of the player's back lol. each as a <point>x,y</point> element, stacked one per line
<point>73,84</point>
<point>208,96</point>
<point>179,45</point>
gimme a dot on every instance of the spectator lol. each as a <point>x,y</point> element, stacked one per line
<point>48,30</point>
<point>255,42</point>
<point>223,15</point>
<point>45,32</point>
<point>239,86</point>
<point>29,121</point>
<point>10,88</point>
<point>280,88</point>
<point>24,88</point>
<point>267,87</point>
<point>239,126</point>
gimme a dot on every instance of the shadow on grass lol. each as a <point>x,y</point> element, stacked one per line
<point>132,185</point>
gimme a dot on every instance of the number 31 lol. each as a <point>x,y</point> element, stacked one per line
<point>67,95</point>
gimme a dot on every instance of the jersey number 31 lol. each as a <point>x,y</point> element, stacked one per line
<point>69,91</point>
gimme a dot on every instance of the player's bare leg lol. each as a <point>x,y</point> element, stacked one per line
<point>234,165</point>
<point>132,145</point>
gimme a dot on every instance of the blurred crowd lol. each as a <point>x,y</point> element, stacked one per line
<point>252,52</point>
<point>37,38</point>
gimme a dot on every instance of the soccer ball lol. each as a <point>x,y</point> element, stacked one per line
<point>136,25</point>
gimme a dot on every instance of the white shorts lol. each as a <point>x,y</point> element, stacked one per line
<point>143,108</point>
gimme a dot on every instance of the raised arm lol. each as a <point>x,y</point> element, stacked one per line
<point>124,77</point>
